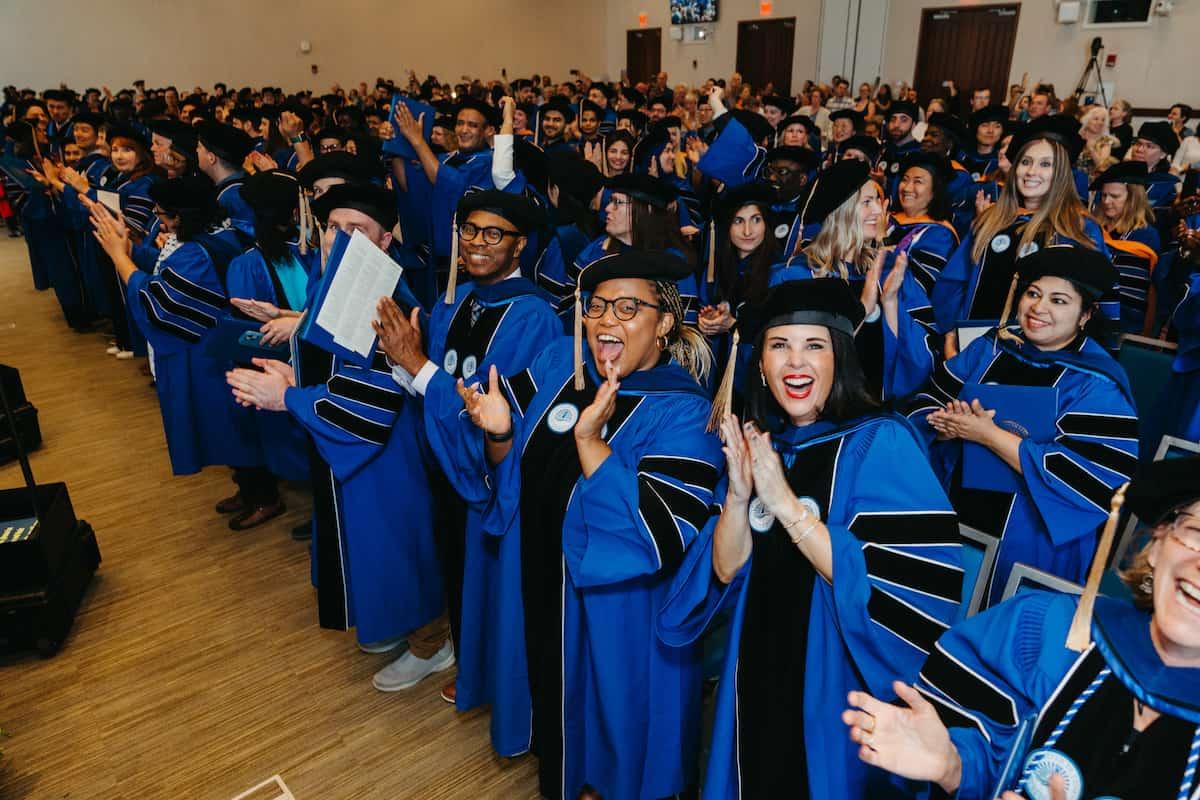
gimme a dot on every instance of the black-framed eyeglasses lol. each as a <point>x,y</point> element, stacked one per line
<point>491,234</point>
<point>624,308</point>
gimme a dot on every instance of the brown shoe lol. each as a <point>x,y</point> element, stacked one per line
<point>257,516</point>
<point>232,504</point>
<point>449,692</point>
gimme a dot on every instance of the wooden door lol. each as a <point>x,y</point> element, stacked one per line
<point>643,54</point>
<point>764,53</point>
<point>970,45</point>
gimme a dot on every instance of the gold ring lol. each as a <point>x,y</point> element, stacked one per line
<point>870,729</point>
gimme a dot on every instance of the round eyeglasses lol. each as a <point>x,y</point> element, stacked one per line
<point>624,308</point>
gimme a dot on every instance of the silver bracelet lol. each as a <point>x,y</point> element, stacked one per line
<point>787,526</point>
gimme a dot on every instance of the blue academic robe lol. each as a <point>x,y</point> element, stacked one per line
<point>612,706</point>
<point>176,309</point>
<point>980,164</point>
<point>1051,521</point>
<point>229,197</point>
<point>1135,255</point>
<point>1179,414</point>
<point>515,325</point>
<point>283,442</point>
<point>459,173</point>
<point>99,173</point>
<point>375,561</point>
<point>970,290</point>
<point>689,287</point>
<point>1009,667</point>
<point>557,270</point>
<point>909,354</point>
<point>733,158</point>
<point>798,643</point>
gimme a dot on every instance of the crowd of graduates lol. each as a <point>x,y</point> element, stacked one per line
<point>685,395</point>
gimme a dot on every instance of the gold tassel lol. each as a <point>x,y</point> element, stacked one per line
<point>1079,638</point>
<point>723,401</point>
<point>578,340</point>
<point>1002,331</point>
<point>453,280</point>
<point>680,164</point>
<point>712,251</point>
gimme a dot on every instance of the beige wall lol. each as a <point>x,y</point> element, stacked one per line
<point>1155,65</point>
<point>717,57</point>
<point>43,42</point>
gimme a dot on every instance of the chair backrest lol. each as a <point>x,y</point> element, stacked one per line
<point>1147,362</point>
<point>978,559</point>
<point>1024,577</point>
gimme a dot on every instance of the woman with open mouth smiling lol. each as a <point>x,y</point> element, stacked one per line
<point>1065,433</point>
<point>1038,206</point>
<point>836,550</point>
<point>921,231</point>
<point>598,460</point>
<point>1122,719</point>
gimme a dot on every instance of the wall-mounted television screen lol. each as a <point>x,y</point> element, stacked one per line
<point>686,12</point>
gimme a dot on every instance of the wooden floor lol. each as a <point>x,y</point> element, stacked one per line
<point>196,668</point>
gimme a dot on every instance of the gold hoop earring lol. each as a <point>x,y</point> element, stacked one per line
<point>663,342</point>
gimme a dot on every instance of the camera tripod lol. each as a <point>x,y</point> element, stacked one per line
<point>1092,69</point>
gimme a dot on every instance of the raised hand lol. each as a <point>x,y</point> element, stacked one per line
<point>870,290</point>
<point>891,286</point>
<point>593,418</point>
<point>72,177</point>
<point>411,129</point>
<point>911,742</point>
<point>970,422</point>
<point>262,162</point>
<point>260,310</point>
<point>110,232</point>
<point>400,337</point>
<point>489,410</point>
<point>982,202</point>
<point>769,481</point>
<point>737,462</point>
<point>290,124</point>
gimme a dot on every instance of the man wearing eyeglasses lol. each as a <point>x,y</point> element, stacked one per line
<point>788,169</point>
<point>497,318</point>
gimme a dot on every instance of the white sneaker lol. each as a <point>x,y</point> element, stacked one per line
<point>383,645</point>
<point>112,350</point>
<point>125,355</point>
<point>408,670</point>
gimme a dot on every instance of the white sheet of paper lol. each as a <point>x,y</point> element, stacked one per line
<point>364,275</point>
<point>110,200</point>
<point>968,334</point>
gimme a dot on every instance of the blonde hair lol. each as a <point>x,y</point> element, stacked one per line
<point>687,346</point>
<point>840,241</point>
<point>1061,213</point>
<point>1137,212</point>
<point>1136,574</point>
<point>1093,111</point>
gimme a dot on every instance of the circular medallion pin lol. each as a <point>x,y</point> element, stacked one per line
<point>761,519</point>
<point>1043,764</point>
<point>450,362</point>
<point>562,417</point>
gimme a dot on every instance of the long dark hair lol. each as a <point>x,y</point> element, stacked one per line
<point>849,397</point>
<point>272,234</point>
<point>750,286</point>
<point>657,229</point>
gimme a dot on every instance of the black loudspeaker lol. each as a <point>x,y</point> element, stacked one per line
<point>47,556</point>
<point>24,417</point>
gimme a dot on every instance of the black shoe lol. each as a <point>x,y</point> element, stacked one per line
<point>302,533</point>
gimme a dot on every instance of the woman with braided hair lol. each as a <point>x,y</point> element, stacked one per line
<point>599,462</point>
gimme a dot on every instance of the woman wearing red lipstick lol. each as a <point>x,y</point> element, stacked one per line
<point>1047,499</point>
<point>838,576</point>
<point>1122,719</point>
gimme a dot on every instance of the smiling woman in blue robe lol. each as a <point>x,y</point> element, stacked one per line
<point>841,569</point>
